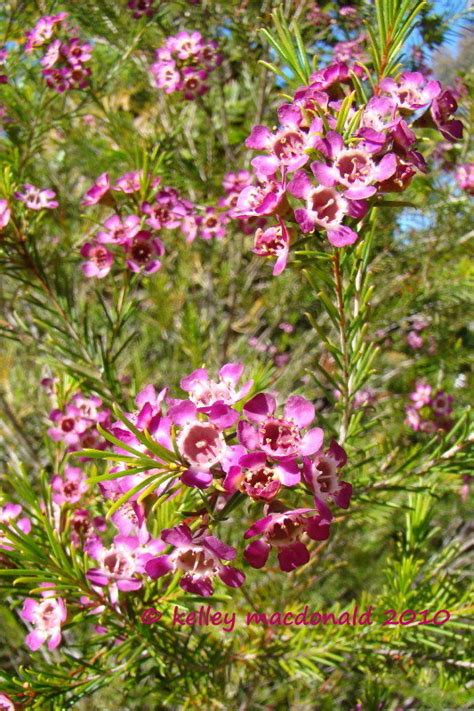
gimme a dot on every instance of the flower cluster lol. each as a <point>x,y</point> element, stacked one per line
<point>228,444</point>
<point>76,423</point>
<point>132,234</point>
<point>417,337</point>
<point>465,177</point>
<point>64,60</point>
<point>429,411</point>
<point>184,63</point>
<point>324,176</point>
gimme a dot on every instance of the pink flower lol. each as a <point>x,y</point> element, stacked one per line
<point>98,260</point>
<point>442,108</point>
<point>76,52</point>
<point>414,340</point>
<point>143,253</point>
<point>185,45</point>
<point>70,488</point>
<point>352,168</point>
<point>193,82</point>
<point>441,404</point>
<point>46,617</point>
<point>121,566</point>
<point>9,514</point>
<point>166,76</point>
<point>283,531</point>
<point>259,478</point>
<point>141,8</point>
<point>211,225</point>
<point>236,182</point>
<point>42,31</point>
<point>281,438</point>
<point>273,242</point>
<point>69,425</point>
<point>464,177</point>
<point>201,443</point>
<point>119,230</point>
<point>97,191</point>
<point>287,147</point>
<point>412,91</point>
<point>258,200</point>
<point>6,704</point>
<point>36,198</point>
<point>322,476</point>
<point>199,557</point>
<point>421,396</point>
<point>183,64</point>
<point>167,211</point>
<point>204,392</point>
<point>325,208</point>
<point>5,214</point>
<point>413,418</point>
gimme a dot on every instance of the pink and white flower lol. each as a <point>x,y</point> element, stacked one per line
<point>119,230</point>
<point>273,242</point>
<point>37,198</point>
<point>46,616</point>
<point>325,209</point>
<point>98,262</point>
<point>69,488</point>
<point>204,392</point>
<point>200,558</point>
<point>121,565</point>
<point>281,438</point>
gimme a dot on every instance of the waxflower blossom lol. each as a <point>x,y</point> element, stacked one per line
<point>200,557</point>
<point>75,424</point>
<point>141,8</point>
<point>143,252</point>
<point>465,177</point>
<point>43,31</point>
<point>36,198</point>
<point>97,192</point>
<point>131,237</point>
<point>411,91</point>
<point>283,532</point>
<point>98,258</point>
<point>6,704</point>
<point>11,514</point>
<point>429,412</point>
<point>273,242</point>
<point>259,478</point>
<point>46,616</point>
<point>121,565</point>
<point>184,63</point>
<point>280,437</point>
<point>204,392</point>
<point>322,476</point>
<point>118,230</point>
<point>70,488</point>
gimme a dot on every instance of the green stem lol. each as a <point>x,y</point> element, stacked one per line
<point>344,343</point>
